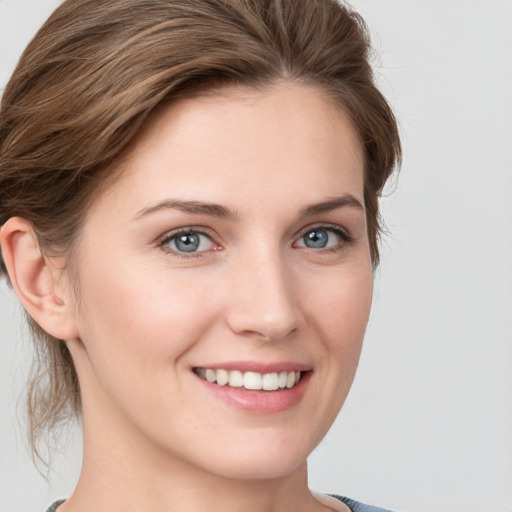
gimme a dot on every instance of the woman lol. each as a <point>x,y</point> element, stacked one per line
<point>189,209</point>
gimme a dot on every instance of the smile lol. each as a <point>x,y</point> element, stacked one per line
<point>250,380</point>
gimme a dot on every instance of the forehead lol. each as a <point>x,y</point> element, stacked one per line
<point>283,140</point>
<point>280,107</point>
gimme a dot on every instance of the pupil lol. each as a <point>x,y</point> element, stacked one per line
<point>187,243</point>
<point>316,239</point>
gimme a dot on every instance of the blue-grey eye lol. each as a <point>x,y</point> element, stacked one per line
<point>189,242</point>
<point>316,239</point>
<point>321,238</point>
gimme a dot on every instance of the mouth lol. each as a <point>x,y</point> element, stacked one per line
<point>275,388</point>
<point>250,380</point>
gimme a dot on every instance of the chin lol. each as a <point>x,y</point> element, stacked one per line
<point>268,467</point>
<point>262,457</point>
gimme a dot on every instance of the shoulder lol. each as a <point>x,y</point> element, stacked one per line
<point>356,506</point>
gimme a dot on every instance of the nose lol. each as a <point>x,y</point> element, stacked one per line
<point>263,301</point>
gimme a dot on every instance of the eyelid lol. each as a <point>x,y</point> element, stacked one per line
<point>336,228</point>
<point>340,231</point>
<point>184,230</point>
<point>343,242</point>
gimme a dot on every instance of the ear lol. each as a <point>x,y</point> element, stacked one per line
<point>37,283</point>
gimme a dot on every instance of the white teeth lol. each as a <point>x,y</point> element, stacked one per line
<point>236,379</point>
<point>270,382</point>
<point>250,380</point>
<point>222,377</point>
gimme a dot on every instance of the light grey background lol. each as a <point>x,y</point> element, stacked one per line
<point>428,424</point>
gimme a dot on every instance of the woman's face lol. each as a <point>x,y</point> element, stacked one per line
<point>233,247</point>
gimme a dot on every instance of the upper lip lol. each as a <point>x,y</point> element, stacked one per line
<point>258,366</point>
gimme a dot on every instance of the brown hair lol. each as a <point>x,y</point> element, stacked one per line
<point>94,73</point>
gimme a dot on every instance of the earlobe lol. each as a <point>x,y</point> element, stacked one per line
<point>36,283</point>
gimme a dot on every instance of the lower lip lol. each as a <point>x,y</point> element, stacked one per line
<point>260,402</point>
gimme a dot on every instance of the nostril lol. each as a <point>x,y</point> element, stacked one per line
<point>259,322</point>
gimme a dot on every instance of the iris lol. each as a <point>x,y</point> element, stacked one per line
<point>187,243</point>
<point>316,239</point>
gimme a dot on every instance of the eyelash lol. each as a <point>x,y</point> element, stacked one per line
<point>345,237</point>
<point>193,230</point>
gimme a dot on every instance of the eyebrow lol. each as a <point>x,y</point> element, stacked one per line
<point>195,207</point>
<point>219,211</point>
<point>346,200</point>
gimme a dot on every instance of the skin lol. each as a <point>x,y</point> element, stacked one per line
<point>147,315</point>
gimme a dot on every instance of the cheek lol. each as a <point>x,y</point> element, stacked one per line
<point>340,315</point>
<point>144,323</point>
<point>136,332</point>
<point>341,303</point>
<point>339,307</point>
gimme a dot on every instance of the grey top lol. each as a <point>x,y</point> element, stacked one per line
<point>354,506</point>
<point>53,508</point>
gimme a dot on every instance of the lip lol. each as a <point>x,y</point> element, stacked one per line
<point>260,367</point>
<point>258,402</point>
